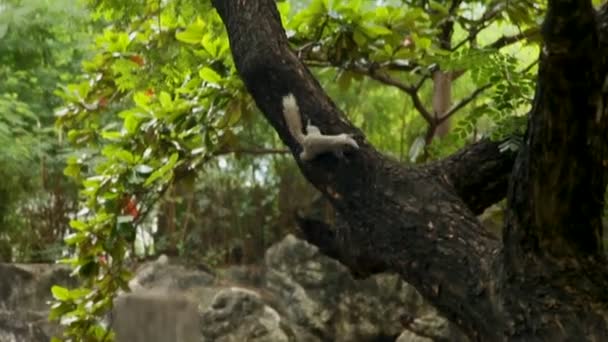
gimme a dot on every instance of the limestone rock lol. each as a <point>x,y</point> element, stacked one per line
<point>238,314</point>
<point>155,316</point>
<point>319,295</point>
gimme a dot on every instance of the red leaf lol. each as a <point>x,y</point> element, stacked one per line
<point>138,59</point>
<point>130,207</point>
<point>103,102</point>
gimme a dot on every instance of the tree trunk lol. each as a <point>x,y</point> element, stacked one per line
<point>546,279</point>
<point>442,81</point>
<point>442,100</point>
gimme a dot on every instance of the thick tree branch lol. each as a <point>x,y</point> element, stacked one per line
<point>479,173</point>
<point>399,219</point>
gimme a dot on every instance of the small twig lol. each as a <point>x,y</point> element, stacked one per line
<point>526,69</point>
<point>463,102</point>
<point>371,71</point>
<point>421,82</point>
<point>252,151</point>
<point>508,40</point>
<point>480,24</point>
<point>410,90</point>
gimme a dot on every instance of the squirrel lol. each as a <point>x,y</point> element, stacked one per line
<point>314,142</point>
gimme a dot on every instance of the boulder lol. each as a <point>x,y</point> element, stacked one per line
<point>155,316</point>
<point>319,295</point>
<point>25,290</point>
<point>238,314</point>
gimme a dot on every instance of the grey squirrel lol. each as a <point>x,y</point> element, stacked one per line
<point>313,142</point>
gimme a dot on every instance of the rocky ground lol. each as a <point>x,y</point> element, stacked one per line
<point>297,294</point>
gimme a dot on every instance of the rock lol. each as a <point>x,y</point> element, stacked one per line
<point>160,274</point>
<point>409,336</point>
<point>238,314</point>
<point>19,328</point>
<point>24,294</point>
<point>30,285</point>
<point>10,292</point>
<point>250,275</point>
<point>319,295</point>
<point>297,294</point>
<point>432,326</point>
<point>149,316</point>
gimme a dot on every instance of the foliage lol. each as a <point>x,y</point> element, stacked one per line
<point>41,46</point>
<point>404,45</point>
<point>502,114</point>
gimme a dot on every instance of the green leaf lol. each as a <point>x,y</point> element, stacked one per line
<point>209,75</point>
<point>423,43</point>
<point>72,170</point>
<point>211,44</point>
<point>345,80</point>
<point>376,30</point>
<point>75,238</point>
<point>126,229</point>
<point>60,293</point>
<point>359,38</point>
<point>116,153</point>
<point>142,100</point>
<point>163,170</point>
<point>60,309</point>
<point>165,100</point>
<point>111,135</point>
<point>78,225</point>
<point>437,6</point>
<point>133,119</point>
<point>231,116</point>
<point>193,33</point>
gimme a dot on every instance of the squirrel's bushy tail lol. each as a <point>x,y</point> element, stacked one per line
<point>291,112</point>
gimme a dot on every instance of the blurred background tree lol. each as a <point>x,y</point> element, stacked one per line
<point>42,44</point>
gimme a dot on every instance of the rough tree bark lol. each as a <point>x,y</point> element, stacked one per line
<point>546,280</point>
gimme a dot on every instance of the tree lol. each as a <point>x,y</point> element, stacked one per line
<point>41,46</point>
<point>546,279</point>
